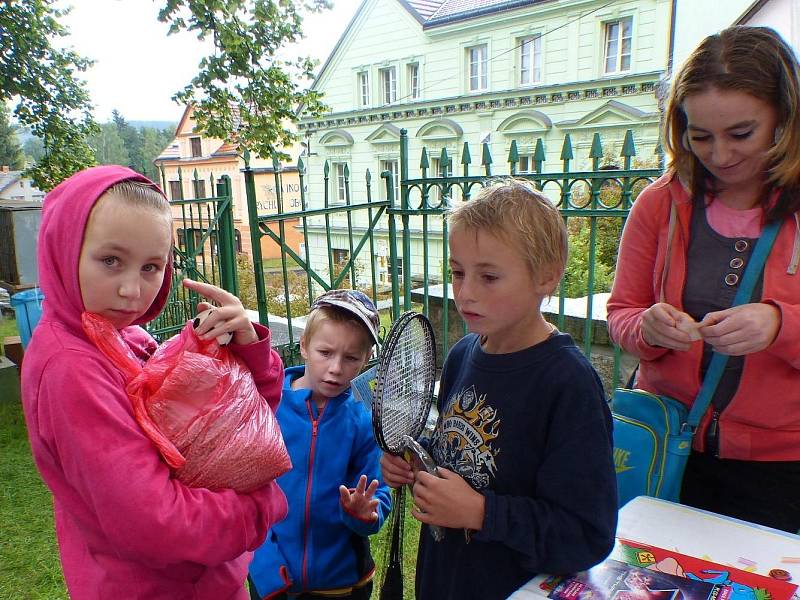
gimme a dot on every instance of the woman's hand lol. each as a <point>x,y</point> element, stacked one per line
<point>664,325</point>
<point>360,501</point>
<point>396,471</point>
<point>228,317</point>
<point>742,329</point>
<point>447,500</point>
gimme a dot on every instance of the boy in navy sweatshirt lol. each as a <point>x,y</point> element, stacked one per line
<point>523,441</point>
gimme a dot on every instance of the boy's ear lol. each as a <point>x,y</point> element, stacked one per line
<point>548,281</point>
<point>303,351</point>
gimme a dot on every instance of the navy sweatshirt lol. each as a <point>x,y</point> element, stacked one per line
<point>531,431</point>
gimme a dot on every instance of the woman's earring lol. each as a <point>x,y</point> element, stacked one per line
<point>778,133</point>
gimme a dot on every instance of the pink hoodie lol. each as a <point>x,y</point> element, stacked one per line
<point>125,528</point>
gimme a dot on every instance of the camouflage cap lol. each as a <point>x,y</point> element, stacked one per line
<point>355,302</point>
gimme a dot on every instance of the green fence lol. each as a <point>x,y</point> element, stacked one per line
<point>346,238</point>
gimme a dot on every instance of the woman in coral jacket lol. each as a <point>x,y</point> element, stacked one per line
<point>732,133</point>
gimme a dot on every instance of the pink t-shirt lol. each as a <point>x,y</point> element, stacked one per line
<point>733,223</point>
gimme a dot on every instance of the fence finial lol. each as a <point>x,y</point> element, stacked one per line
<point>597,147</point>
<point>466,159</point>
<point>628,147</point>
<point>566,149</point>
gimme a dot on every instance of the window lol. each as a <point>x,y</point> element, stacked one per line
<point>340,258</point>
<point>413,81</point>
<point>197,147</point>
<point>339,195</point>
<point>399,262</point>
<point>530,60</point>
<point>363,88</point>
<point>389,85</point>
<point>526,164</point>
<point>618,45</point>
<point>175,192</point>
<point>391,166</point>
<point>196,236</point>
<point>478,68</point>
<point>238,235</point>
<point>199,186</point>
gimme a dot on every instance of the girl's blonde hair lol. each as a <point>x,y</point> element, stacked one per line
<point>757,61</point>
<point>140,193</point>
<point>513,211</point>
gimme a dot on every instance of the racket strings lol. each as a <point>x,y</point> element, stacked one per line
<point>407,385</point>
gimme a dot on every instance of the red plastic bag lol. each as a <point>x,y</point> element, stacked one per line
<point>199,405</point>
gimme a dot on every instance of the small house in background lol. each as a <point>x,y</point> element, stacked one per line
<point>190,161</point>
<point>16,188</point>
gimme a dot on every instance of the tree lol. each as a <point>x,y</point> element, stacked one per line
<point>10,151</point>
<point>243,92</point>
<point>42,79</point>
<point>132,140</point>
<point>109,148</point>
<point>34,149</point>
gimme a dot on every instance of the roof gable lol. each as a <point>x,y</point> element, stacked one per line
<point>611,114</point>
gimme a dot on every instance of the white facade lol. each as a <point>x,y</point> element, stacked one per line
<point>781,15</point>
<point>455,71</point>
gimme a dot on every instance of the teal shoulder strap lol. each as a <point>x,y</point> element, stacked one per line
<point>743,295</point>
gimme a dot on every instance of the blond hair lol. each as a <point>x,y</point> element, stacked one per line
<point>140,193</point>
<point>756,61</point>
<point>336,315</point>
<point>516,213</point>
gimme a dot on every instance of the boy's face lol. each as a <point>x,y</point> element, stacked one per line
<point>334,356</point>
<point>125,252</point>
<point>495,291</point>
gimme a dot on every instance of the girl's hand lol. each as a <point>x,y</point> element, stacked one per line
<point>741,329</point>
<point>360,502</point>
<point>664,325</point>
<point>447,500</point>
<point>228,316</point>
<point>396,471</point>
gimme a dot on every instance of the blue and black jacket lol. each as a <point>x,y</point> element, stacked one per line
<point>319,546</point>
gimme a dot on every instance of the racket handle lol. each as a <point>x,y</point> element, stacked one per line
<point>420,460</point>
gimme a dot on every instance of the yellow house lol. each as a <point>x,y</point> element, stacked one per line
<point>192,161</point>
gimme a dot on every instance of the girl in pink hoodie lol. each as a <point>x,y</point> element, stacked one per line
<point>125,527</point>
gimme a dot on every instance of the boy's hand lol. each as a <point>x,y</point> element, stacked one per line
<point>447,501</point>
<point>360,502</point>
<point>228,317</point>
<point>396,471</point>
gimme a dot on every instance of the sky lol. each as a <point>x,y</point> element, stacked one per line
<point>138,68</point>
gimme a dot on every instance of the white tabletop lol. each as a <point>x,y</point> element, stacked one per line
<point>698,533</point>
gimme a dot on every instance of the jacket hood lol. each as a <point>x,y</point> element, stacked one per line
<point>65,213</point>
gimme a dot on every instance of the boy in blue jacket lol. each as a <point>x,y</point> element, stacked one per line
<point>335,491</point>
<point>523,440</point>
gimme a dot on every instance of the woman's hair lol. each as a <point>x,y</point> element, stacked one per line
<point>140,193</point>
<point>522,217</point>
<point>756,61</point>
<point>330,313</point>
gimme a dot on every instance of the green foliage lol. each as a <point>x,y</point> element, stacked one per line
<point>247,281</point>
<point>576,275</point>
<point>297,288</point>
<point>243,92</point>
<point>34,149</point>
<point>108,147</point>
<point>10,150</point>
<point>42,79</point>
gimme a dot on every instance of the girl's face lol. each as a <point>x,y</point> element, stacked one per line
<point>123,259</point>
<point>730,133</point>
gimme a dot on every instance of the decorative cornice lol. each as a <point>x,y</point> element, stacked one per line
<point>632,85</point>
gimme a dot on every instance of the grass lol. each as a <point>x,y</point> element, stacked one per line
<point>8,327</point>
<point>29,562</point>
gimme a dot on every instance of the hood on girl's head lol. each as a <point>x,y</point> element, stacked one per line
<point>65,213</point>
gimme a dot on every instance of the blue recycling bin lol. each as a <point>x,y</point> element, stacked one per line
<point>28,310</point>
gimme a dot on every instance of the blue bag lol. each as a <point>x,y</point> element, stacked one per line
<point>653,434</point>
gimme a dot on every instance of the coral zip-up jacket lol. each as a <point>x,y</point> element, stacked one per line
<point>762,421</point>
<point>125,527</point>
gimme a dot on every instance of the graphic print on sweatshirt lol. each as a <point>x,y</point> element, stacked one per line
<point>462,441</point>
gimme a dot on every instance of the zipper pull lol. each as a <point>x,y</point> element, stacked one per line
<point>712,438</point>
